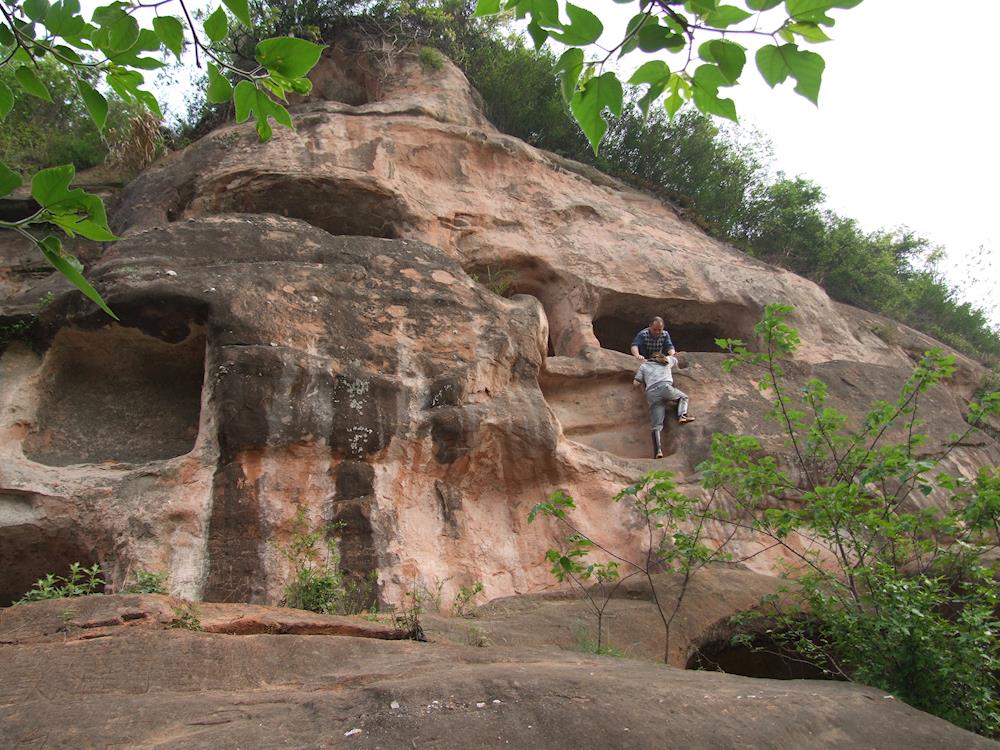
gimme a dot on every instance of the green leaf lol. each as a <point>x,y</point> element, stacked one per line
<point>544,12</point>
<point>36,10</point>
<point>63,19</point>
<point>487,7</point>
<point>584,27</point>
<point>810,32</point>
<point>70,267</point>
<point>588,105</point>
<point>763,4</point>
<point>244,98</point>
<point>9,180</point>
<point>568,68</point>
<point>119,31</point>
<point>729,56</point>
<point>807,70</point>
<point>149,102</point>
<point>654,71</point>
<point>726,15</point>
<point>705,91</point>
<point>125,83</point>
<point>49,186</point>
<point>30,83</point>
<point>240,9</point>
<point>217,25</point>
<point>814,11</point>
<point>679,88</point>
<point>701,6</point>
<point>288,56</point>
<point>538,34</point>
<point>97,105</point>
<point>171,33</point>
<point>653,37</point>
<point>6,100</point>
<point>219,88</point>
<point>772,65</point>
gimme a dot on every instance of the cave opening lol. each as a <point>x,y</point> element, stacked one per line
<point>340,207</point>
<point>762,657</point>
<point>121,393</point>
<point>693,326</point>
<point>30,551</point>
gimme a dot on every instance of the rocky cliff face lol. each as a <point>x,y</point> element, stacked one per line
<point>312,324</point>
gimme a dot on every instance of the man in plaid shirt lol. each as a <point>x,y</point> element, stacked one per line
<point>652,340</point>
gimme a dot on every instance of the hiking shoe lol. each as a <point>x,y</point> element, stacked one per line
<point>685,419</point>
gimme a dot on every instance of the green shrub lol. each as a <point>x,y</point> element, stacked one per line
<point>81,581</point>
<point>464,604</point>
<point>149,582</point>
<point>186,618</point>
<point>430,59</point>
<point>318,585</point>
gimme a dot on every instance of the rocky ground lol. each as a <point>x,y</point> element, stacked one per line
<point>120,672</point>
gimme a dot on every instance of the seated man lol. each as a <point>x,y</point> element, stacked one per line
<point>652,340</point>
<point>656,375</point>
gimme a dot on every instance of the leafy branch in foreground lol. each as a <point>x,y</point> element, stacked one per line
<point>677,27</point>
<point>890,562</point>
<point>114,44</point>
<point>664,512</point>
<point>894,560</point>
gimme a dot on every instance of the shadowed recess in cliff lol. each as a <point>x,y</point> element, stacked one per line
<point>537,279</point>
<point>30,550</point>
<point>356,206</point>
<point>118,394</point>
<point>693,326</point>
<point>761,658</point>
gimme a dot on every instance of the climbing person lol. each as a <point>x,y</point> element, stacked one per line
<point>652,340</point>
<point>655,374</point>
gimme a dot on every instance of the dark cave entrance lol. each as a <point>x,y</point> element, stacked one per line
<point>340,207</point>
<point>29,551</point>
<point>761,658</point>
<point>693,326</point>
<point>122,393</point>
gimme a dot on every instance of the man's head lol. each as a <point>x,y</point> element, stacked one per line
<point>656,326</point>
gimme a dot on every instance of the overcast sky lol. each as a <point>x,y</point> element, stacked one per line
<point>906,129</point>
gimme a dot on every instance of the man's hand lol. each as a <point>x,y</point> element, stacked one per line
<point>635,353</point>
<point>671,353</point>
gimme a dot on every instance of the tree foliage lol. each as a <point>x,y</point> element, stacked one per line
<point>698,37</point>
<point>45,43</point>
<point>891,572</point>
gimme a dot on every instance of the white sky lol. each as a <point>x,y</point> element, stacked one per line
<point>906,129</point>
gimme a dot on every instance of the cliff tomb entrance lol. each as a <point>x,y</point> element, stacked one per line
<point>121,393</point>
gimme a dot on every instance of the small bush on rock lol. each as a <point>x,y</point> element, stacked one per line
<point>149,582</point>
<point>318,584</point>
<point>81,581</point>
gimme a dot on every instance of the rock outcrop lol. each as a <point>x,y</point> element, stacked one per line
<point>139,686</point>
<point>309,324</point>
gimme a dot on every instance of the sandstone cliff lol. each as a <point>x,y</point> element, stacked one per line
<point>309,323</point>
